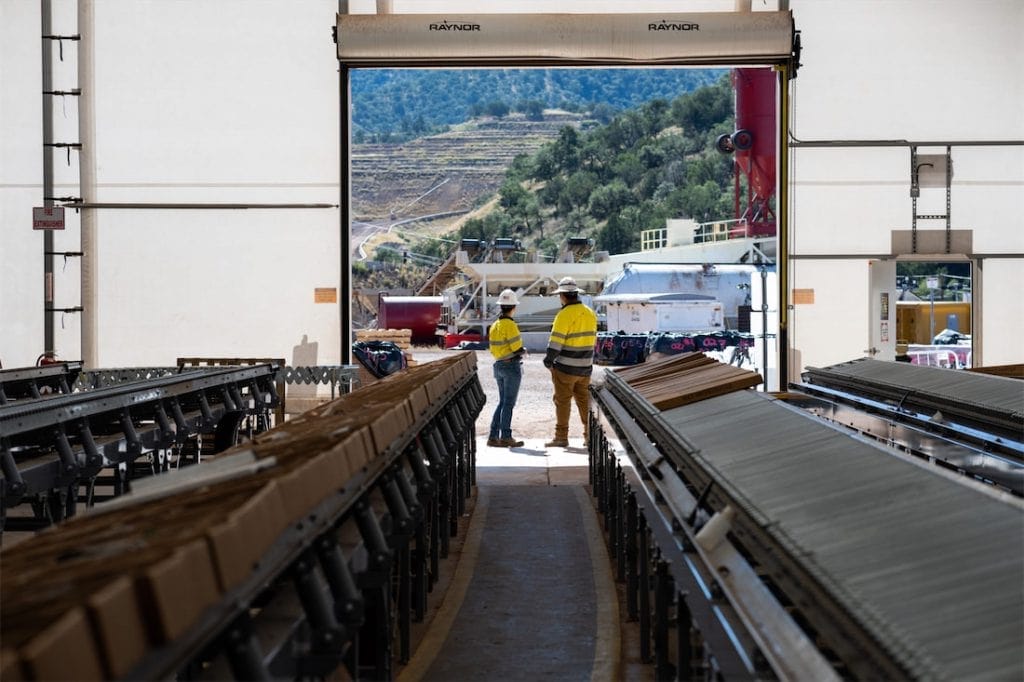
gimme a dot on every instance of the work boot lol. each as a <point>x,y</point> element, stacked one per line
<point>557,443</point>
<point>509,443</point>
<point>494,443</point>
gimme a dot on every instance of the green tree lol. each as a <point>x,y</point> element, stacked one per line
<point>521,168</point>
<point>511,195</point>
<point>655,115</point>
<point>576,193</point>
<point>531,216</point>
<point>496,108</point>
<point>578,222</point>
<point>533,109</point>
<point>619,235</point>
<point>629,168</point>
<point>545,166</point>
<point>608,199</point>
<point>704,107</point>
<point>702,202</point>
<point>551,191</point>
<point>565,151</point>
<point>603,112</point>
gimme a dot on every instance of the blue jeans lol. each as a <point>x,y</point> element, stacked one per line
<point>508,375</point>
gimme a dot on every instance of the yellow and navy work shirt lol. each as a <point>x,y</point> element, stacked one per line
<point>505,342</point>
<point>573,335</point>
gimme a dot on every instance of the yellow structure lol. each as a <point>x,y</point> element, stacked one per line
<point>914,319</point>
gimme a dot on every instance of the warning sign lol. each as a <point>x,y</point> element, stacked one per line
<point>48,218</point>
<point>325,295</point>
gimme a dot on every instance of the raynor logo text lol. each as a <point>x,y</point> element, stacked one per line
<point>672,26</point>
<point>445,26</point>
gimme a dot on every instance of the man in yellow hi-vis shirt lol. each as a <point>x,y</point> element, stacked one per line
<point>570,357</point>
<point>507,348</point>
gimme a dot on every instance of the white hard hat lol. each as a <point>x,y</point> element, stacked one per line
<point>508,297</point>
<point>567,285</point>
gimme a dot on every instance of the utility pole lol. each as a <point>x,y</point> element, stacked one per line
<point>87,181</point>
<point>46,12</point>
<point>344,208</point>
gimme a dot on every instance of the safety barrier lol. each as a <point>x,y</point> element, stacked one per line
<point>620,348</point>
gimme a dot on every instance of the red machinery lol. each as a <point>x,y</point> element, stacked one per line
<point>753,146</point>
<point>419,314</point>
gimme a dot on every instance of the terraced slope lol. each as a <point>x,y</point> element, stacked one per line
<point>445,172</point>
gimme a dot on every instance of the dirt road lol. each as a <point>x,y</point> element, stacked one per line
<point>534,414</point>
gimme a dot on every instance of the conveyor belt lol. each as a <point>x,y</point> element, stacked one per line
<point>52,443</point>
<point>314,544</point>
<point>991,403</point>
<point>32,382</point>
<point>982,456</point>
<point>930,567</point>
<point>27,416</point>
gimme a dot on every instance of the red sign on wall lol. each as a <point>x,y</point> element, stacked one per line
<point>48,218</point>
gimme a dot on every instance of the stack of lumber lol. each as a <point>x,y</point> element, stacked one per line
<point>89,598</point>
<point>1009,371</point>
<point>365,377</point>
<point>400,337</point>
<point>687,378</point>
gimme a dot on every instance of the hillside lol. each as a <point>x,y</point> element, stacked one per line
<point>399,104</point>
<point>460,166</point>
<point>611,182</point>
<point>542,181</point>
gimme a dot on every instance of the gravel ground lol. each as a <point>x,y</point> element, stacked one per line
<point>534,414</point>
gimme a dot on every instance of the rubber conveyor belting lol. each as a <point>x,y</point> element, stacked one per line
<point>991,403</point>
<point>932,567</point>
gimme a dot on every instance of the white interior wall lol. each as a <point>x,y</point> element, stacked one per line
<point>834,328</point>
<point>1002,324</point>
<point>845,200</point>
<point>21,167</point>
<point>910,70</point>
<point>224,102</point>
<point>237,105</point>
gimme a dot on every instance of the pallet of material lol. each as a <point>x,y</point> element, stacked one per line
<point>400,337</point>
<point>686,378</point>
<point>1009,371</point>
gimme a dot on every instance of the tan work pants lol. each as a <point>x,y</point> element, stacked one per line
<point>569,387</point>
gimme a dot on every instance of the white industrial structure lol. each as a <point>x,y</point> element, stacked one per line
<point>862,522</point>
<point>234,103</point>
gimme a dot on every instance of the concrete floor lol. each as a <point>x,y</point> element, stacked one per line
<point>531,595</point>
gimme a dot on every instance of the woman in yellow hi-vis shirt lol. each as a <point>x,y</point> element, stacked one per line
<point>507,348</point>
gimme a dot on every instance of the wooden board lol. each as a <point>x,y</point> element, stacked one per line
<point>685,378</point>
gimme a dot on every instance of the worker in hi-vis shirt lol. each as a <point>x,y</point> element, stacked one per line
<point>570,357</point>
<point>507,348</point>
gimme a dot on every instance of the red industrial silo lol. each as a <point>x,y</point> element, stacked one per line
<point>754,146</point>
